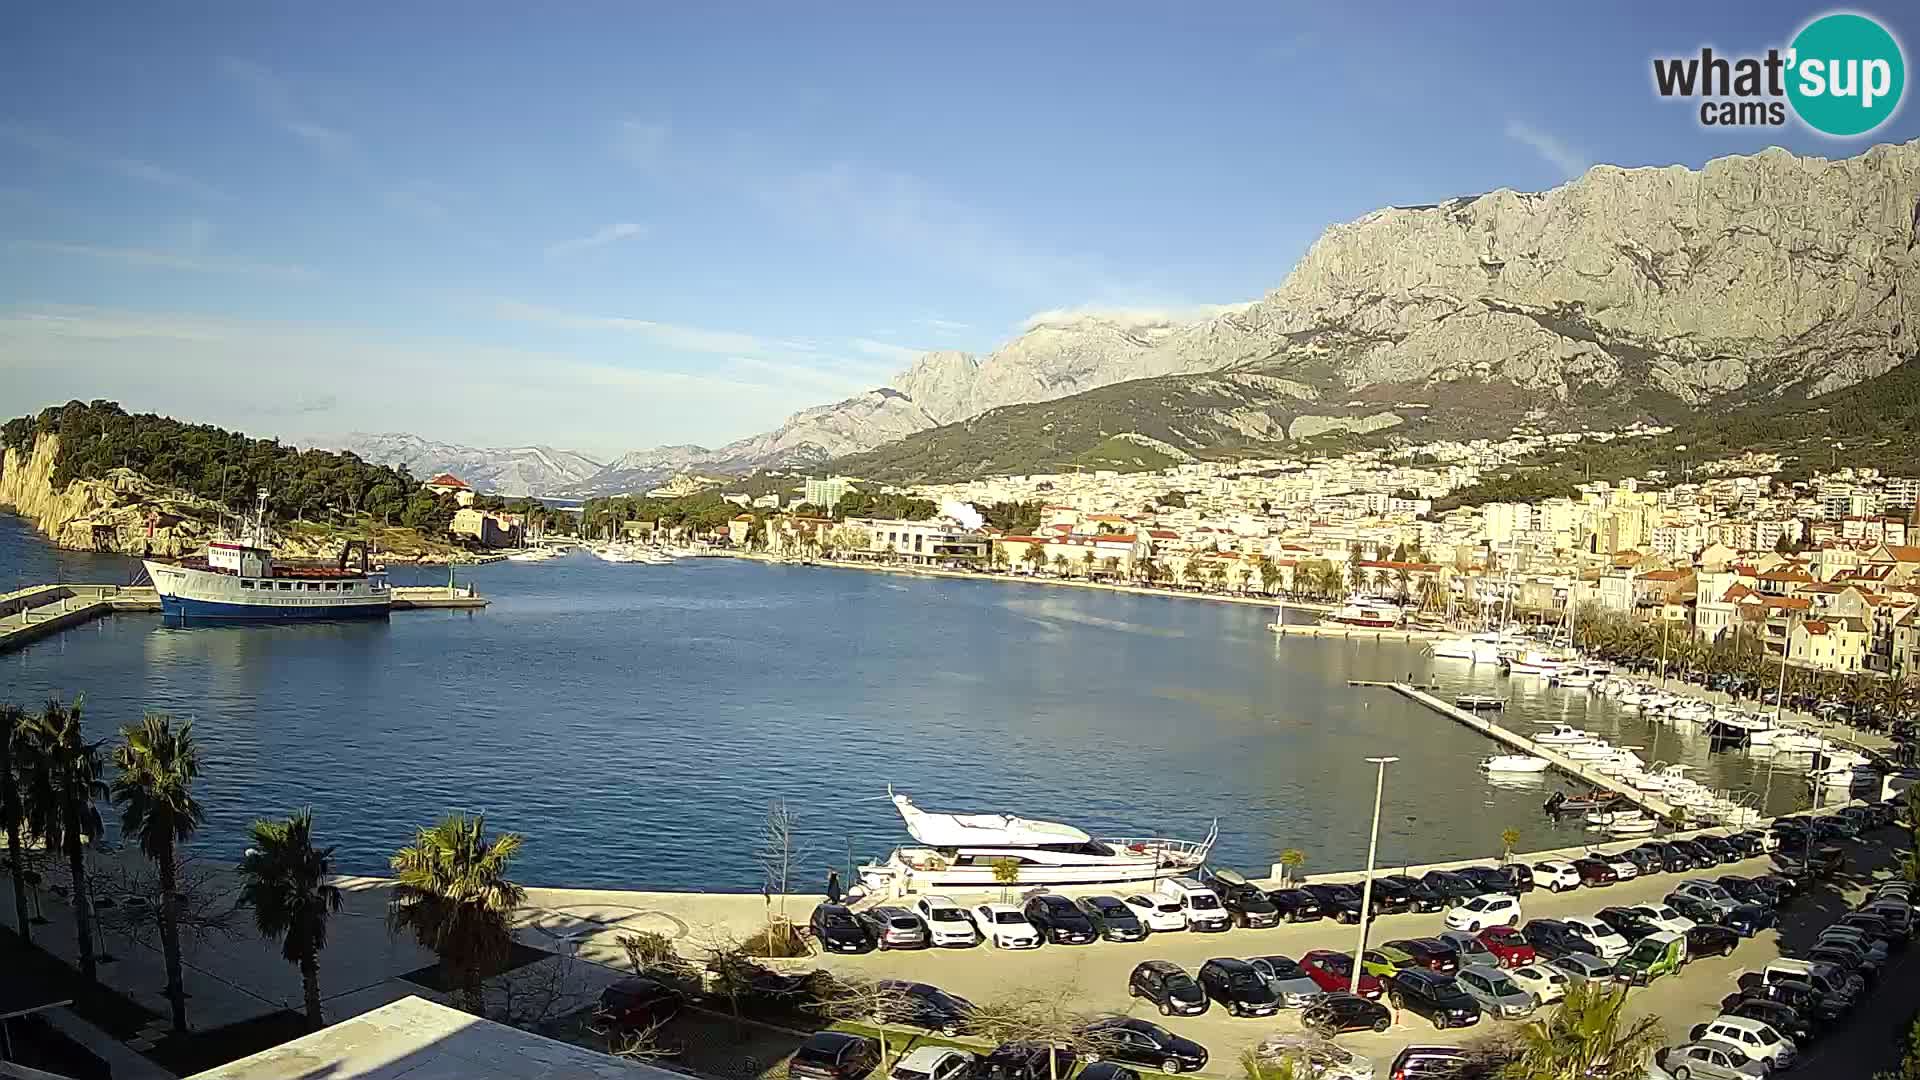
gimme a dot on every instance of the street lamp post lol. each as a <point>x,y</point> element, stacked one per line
<point>1373,847</point>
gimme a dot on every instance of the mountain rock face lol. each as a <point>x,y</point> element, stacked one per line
<point>516,471</point>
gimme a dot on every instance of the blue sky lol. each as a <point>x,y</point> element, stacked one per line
<point>617,225</point>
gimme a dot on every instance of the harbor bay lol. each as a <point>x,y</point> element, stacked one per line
<point>635,721</point>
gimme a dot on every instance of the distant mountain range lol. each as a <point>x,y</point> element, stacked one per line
<point>1650,293</point>
<point>520,470</point>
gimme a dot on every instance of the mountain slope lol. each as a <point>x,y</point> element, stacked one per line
<point>523,470</point>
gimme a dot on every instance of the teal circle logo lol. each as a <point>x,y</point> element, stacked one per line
<point>1847,74</point>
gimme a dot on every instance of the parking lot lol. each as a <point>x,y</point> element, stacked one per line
<point>1094,977</point>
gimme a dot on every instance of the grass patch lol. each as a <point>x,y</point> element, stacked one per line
<point>198,1051</point>
<point>108,1010</point>
<point>433,978</point>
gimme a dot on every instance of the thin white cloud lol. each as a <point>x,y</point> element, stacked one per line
<point>886,350</point>
<point>944,326</point>
<point>1555,150</point>
<point>170,260</point>
<point>671,335</point>
<point>59,149</point>
<point>601,237</point>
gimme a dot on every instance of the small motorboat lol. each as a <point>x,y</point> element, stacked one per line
<point>1563,735</point>
<point>1480,702</point>
<point>1623,825</point>
<point>1597,799</point>
<point>1515,763</point>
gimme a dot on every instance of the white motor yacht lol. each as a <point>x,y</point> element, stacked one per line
<point>1591,750</point>
<point>1575,678</point>
<point>1563,735</point>
<point>1515,763</point>
<point>959,851</point>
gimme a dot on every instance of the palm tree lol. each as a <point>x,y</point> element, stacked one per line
<point>1292,860</point>
<point>60,773</point>
<point>285,882</point>
<point>451,891</point>
<point>155,793</point>
<point>1060,565</point>
<point>1037,555</point>
<point>1585,1038</point>
<point>13,733</point>
<point>1086,563</point>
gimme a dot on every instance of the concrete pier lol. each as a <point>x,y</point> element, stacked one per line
<point>1363,633</point>
<point>416,597</point>
<point>1578,770</point>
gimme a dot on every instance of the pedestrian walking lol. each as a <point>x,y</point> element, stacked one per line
<point>833,886</point>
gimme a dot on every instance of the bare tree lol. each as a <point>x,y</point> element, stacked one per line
<point>882,1003</point>
<point>781,849</point>
<point>206,900</point>
<point>532,996</point>
<point>1045,1018</point>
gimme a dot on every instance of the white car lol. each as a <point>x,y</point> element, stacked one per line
<point>1004,927</point>
<point>1558,875</point>
<point>1605,940</point>
<point>934,1063</point>
<point>1487,909</point>
<point>1663,917</point>
<point>947,922</point>
<point>1754,1038</point>
<point>1158,913</point>
<point>1623,869</point>
<point>1541,981</point>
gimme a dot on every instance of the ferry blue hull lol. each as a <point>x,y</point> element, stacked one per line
<point>179,607</point>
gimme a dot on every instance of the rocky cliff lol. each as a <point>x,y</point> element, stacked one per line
<point>121,512</point>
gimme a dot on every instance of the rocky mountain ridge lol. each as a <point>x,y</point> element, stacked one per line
<point>512,471</point>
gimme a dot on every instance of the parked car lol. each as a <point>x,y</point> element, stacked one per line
<point>1624,869</point>
<point>1158,913</point>
<point>1718,848</point>
<point>1874,927</point>
<point>1754,1038</point>
<point>1712,1060</point>
<point>1749,843</point>
<point>1813,1007</point>
<point>1672,859</point>
<point>1543,981</point>
<point>1435,996</point>
<point>636,1003</point>
<point>894,928</point>
<point>1105,1070</point>
<point>1429,1063</point>
<point>934,1063</point>
<point>1558,875</point>
<point>1340,901</point>
<point>1492,879</point>
<point>1247,906</point>
<point>1286,978</point>
<point>1627,922</point>
<point>1706,939</point>
<point>1606,941</point>
<point>1581,968</point>
<point>1416,893</point>
<point>924,1005</point>
<point>1700,911</point>
<point>1164,984</point>
<point>1660,953</point>
<point>1025,1061</point>
<point>1552,938</point>
<point>947,922</point>
<point>1112,919</point>
<point>1663,916</point>
<point>1059,920</point>
<point>1429,952</point>
<point>1497,994</point>
<point>1451,887</point>
<point>1237,987</point>
<point>1334,972</point>
<point>1141,1042</point>
<point>1198,903</point>
<point>1296,905</point>
<point>1644,861</point>
<point>1707,892</point>
<point>1003,926</point>
<point>1747,919</point>
<point>1777,1015</point>
<point>834,1055</point>
<point>1595,873</point>
<point>1339,1012</point>
<point>1702,858</point>
<point>836,928</point>
<point>1509,946</point>
<point>1743,890</point>
<point>1468,947</point>
<point>1488,909</point>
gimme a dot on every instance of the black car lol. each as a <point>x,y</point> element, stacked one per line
<point>1488,879</point>
<point>1672,859</point>
<point>1875,927</point>
<point>1749,843</point>
<point>1340,901</point>
<point>1142,1042</point>
<point>1785,886</point>
<point>1451,887</point>
<point>635,1003</point>
<point>1112,918</point>
<point>1418,896</point>
<point>1831,827</point>
<point>923,1005</point>
<point>1435,996</point>
<point>838,929</point>
<point>1595,873</point>
<point>1424,1062</point>
<point>1701,857</point>
<point>1747,919</point>
<point>1106,1070</point>
<point>834,1055</point>
<point>1247,906</point>
<point>1627,923</point>
<point>1024,1061</point>
<point>1800,996</point>
<point>1644,860</point>
<point>1701,912</point>
<point>1429,952</point>
<point>1778,1015</point>
<point>1385,901</point>
<point>1296,905</point>
<point>1059,920</point>
<point>1552,939</point>
<point>1163,983</point>
<point>1339,1011</point>
<point>1718,848</point>
<point>1745,890</point>
<point>1238,988</point>
<point>1706,939</point>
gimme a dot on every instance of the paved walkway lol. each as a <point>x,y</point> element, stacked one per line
<point>125,1063</point>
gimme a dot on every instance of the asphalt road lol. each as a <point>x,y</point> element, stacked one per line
<point>1094,977</point>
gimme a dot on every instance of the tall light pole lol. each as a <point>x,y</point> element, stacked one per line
<point>1373,846</point>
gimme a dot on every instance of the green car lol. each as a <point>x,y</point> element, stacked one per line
<point>1651,957</point>
<point>1386,961</point>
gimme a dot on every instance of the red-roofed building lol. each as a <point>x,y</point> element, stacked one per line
<point>448,484</point>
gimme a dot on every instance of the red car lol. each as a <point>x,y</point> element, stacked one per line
<point>1507,945</point>
<point>1334,971</point>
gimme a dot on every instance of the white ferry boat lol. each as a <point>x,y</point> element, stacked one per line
<point>237,579</point>
<point>1365,611</point>
<point>960,851</point>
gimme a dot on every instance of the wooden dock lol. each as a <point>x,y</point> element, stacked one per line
<point>1362,632</point>
<point>1522,744</point>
